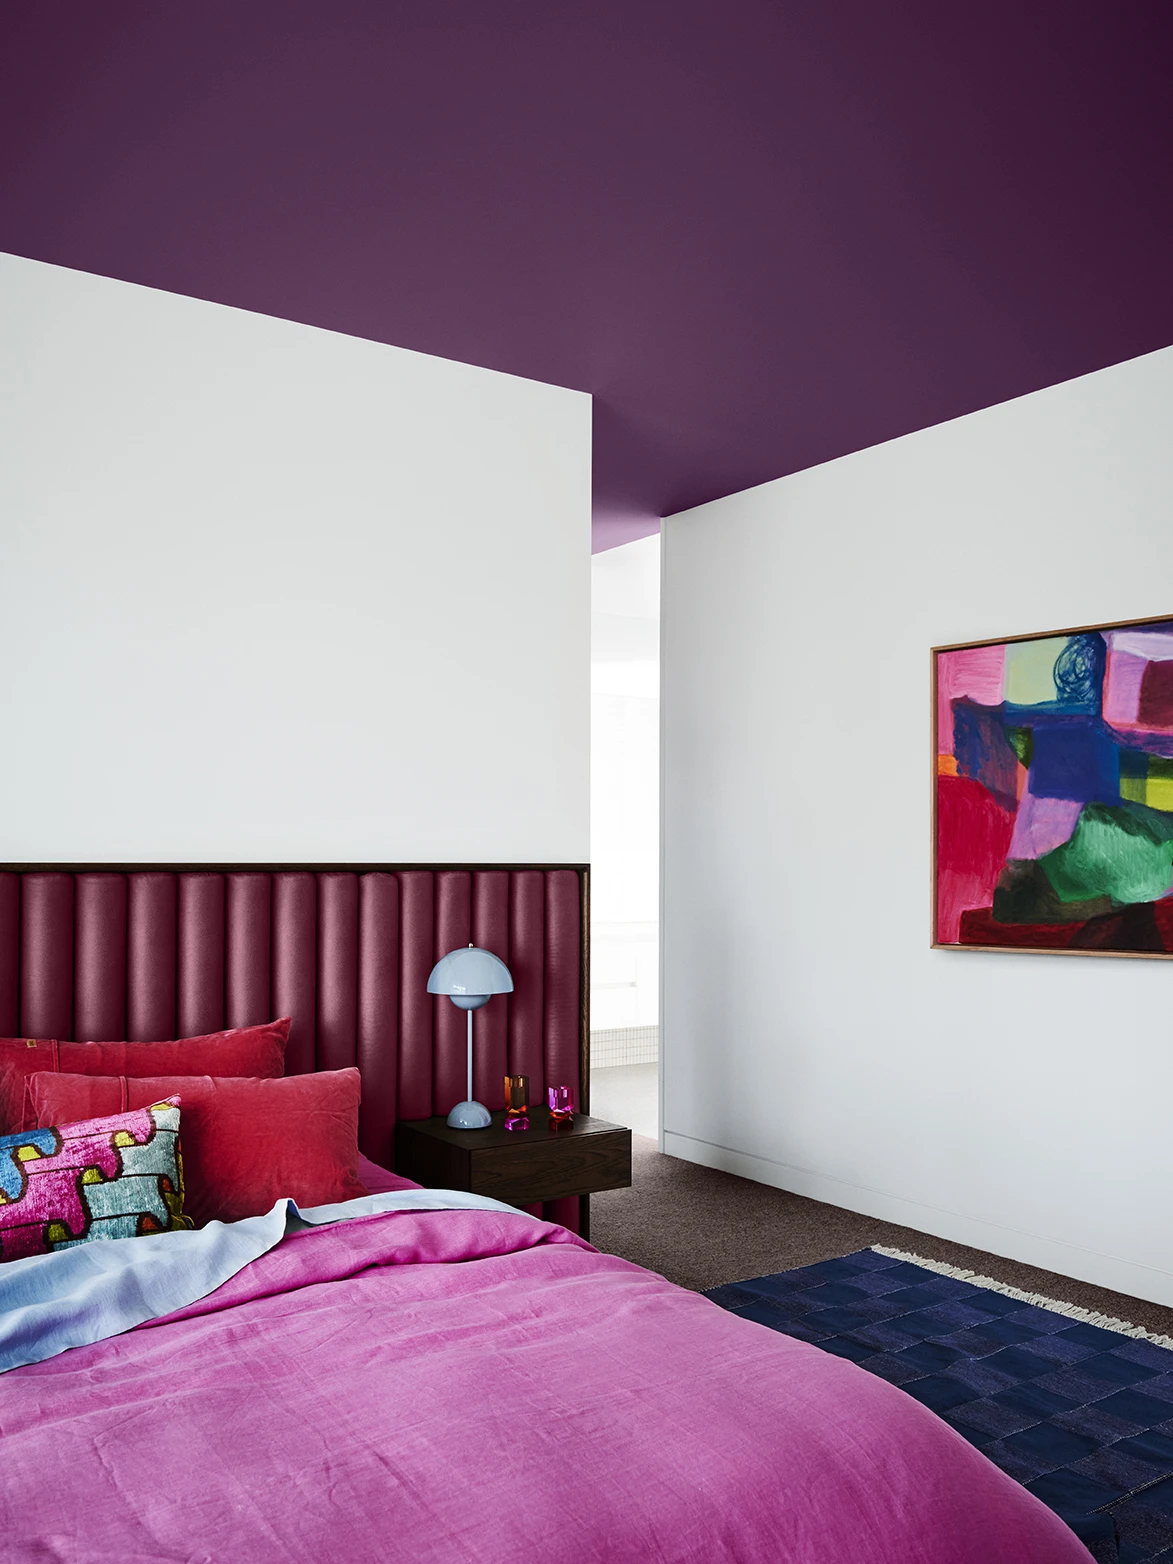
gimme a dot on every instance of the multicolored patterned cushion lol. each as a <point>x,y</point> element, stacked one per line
<point>115,1177</point>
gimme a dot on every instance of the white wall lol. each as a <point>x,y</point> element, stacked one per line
<point>272,593</point>
<point>811,1039</point>
<point>625,785</point>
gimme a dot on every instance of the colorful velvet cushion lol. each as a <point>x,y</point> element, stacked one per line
<point>246,1143</point>
<point>246,1050</point>
<point>113,1177</point>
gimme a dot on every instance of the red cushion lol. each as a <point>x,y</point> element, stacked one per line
<point>245,1143</point>
<point>246,1050</point>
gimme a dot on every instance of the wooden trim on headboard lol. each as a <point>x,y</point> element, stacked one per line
<point>584,1085</point>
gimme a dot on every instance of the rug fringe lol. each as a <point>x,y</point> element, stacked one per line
<point>1056,1305</point>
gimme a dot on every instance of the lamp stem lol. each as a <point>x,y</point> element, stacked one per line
<point>469,1097</point>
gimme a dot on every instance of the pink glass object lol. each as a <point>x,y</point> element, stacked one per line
<point>516,1102</point>
<point>561,1101</point>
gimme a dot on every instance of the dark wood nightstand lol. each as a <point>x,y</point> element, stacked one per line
<point>520,1167</point>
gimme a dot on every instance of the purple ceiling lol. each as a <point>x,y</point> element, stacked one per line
<point>762,232</point>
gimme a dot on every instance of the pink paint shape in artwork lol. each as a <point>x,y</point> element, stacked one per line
<point>1152,646</point>
<point>1042,824</point>
<point>976,672</point>
<point>1122,682</point>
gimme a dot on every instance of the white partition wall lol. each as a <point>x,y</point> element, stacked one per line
<point>275,594</point>
<point>810,1037</point>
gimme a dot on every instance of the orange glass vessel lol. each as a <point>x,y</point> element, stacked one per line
<point>516,1102</point>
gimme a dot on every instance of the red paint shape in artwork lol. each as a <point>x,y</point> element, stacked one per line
<point>973,838</point>
<point>979,928</point>
<point>1156,696</point>
<point>1163,917</point>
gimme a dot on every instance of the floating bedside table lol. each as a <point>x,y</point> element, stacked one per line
<point>520,1167</point>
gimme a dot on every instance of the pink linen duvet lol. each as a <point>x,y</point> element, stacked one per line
<point>468,1385</point>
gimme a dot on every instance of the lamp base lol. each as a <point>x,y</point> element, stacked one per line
<point>469,1116</point>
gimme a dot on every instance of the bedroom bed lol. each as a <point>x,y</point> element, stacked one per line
<point>386,1382</point>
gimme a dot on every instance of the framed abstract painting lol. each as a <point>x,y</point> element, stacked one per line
<point>1053,792</point>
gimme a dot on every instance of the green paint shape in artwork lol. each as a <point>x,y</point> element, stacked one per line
<point>1125,853</point>
<point>1030,670</point>
<point>1024,894</point>
<point>1022,742</point>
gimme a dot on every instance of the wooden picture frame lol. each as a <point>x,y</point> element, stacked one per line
<point>1052,792</point>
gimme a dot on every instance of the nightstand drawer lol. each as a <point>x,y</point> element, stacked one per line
<point>551,1164</point>
<point>520,1167</point>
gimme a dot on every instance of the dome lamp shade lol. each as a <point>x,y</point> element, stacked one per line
<point>469,977</point>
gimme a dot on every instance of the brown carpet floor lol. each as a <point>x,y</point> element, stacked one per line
<point>700,1228</point>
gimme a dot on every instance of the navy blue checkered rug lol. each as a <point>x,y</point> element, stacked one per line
<point>1081,1415</point>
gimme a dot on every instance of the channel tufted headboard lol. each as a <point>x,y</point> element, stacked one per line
<point>145,952</point>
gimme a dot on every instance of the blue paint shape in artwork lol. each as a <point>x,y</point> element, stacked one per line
<point>983,749</point>
<point>1076,760</point>
<point>1079,674</point>
<point>1078,679</point>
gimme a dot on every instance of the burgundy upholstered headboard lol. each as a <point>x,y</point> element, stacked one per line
<point>149,952</point>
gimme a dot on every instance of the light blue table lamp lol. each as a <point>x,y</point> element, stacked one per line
<point>470,977</point>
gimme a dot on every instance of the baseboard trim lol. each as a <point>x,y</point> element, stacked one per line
<point>1086,1265</point>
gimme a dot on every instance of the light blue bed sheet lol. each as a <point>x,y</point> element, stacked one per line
<point>51,1302</point>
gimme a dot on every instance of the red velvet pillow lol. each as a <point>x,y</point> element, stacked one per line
<point>245,1143</point>
<point>246,1050</point>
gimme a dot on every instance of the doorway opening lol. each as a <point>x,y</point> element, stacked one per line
<point>625,835</point>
